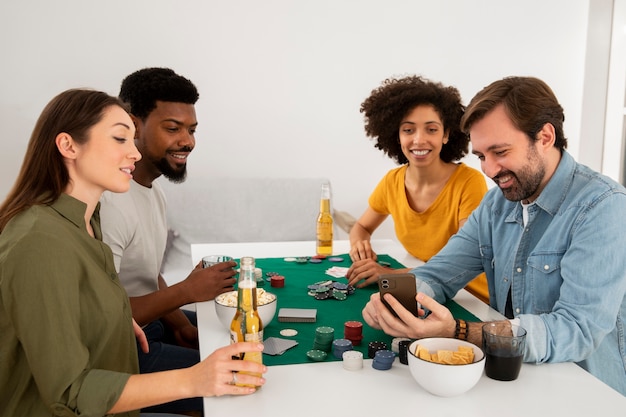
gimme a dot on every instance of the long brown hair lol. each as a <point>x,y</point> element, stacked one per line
<point>43,175</point>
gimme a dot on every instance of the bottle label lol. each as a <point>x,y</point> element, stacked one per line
<point>254,337</point>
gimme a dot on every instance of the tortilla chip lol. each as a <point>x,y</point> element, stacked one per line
<point>462,356</point>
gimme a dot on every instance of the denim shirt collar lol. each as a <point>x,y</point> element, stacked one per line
<point>554,193</point>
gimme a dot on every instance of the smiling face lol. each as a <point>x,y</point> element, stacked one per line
<point>165,139</point>
<point>107,159</point>
<point>422,135</point>
<point>508,156</point>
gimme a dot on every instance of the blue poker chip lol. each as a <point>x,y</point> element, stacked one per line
<point>315,260</point>
<point>335,259</point>
<point>381,367</point>
<point>384,356</point>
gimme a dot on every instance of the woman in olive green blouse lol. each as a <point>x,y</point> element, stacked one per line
<point>67,345</point>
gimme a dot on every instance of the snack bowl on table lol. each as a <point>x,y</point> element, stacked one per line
<point>226,306</point>
<point>445,380</point>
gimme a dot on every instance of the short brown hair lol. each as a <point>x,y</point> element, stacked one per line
<point>529,102</point>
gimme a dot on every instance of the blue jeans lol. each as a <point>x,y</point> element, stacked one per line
<point>164,355</point>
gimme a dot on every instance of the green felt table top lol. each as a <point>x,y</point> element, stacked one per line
<point>330,312</point>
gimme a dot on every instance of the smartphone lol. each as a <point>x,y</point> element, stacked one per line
<point>402,287</point>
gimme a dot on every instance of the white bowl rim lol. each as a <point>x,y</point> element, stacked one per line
<point>463,342</point>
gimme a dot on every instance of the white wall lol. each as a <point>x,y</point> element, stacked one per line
<point>281,81</point>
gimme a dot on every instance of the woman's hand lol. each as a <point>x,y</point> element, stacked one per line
<point>362,249</point>
<point>141,337</point>
<point>366,270</point>
<point>216,375</point>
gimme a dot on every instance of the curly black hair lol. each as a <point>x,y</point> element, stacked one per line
<point>143,88</point>
<point>388,104</point>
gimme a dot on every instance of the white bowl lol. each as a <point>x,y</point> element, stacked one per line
<point>445,380</point>
<point>226,312</point>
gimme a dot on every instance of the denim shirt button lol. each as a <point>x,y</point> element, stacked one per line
<point>546,267</point>
<point>519,269</point>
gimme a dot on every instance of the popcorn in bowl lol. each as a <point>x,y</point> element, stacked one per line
<point>226,305</point>
<point>230,298</point>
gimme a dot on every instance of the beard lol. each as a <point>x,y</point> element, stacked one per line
<point>527,180</point>
<point>174,174</point>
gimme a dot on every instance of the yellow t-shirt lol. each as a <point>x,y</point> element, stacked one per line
<point>424,234</point>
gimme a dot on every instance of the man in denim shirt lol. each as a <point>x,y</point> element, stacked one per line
<point>551,240</point>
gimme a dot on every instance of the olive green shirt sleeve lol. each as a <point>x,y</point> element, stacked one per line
<point>65,319</point>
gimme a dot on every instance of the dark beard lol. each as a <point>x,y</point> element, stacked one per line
<point>174,175</point>
<point>527,187</point>
<point>527,182</point>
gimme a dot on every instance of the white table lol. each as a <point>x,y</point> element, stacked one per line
<point>314,389</point>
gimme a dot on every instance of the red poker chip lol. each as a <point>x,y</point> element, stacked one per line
<point>277,281</point>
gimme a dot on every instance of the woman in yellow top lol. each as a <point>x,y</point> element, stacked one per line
<point>430,196</point>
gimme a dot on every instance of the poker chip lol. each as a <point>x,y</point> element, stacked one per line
<point>353,331</point>
<point>322,295</point>
<point>335,259</point>
<point>315,261</point>
<point>277,281</point>
<point>325,290</point>
<point>352,360</point>
<point>340,346</point>
<point>316,355</point>
<point>374,347</point>
<point>320,257</point>
<point>288,332</point>
<point>338,295</point>
<point>383,360</point>
<point>324,336</point>
<point>395,344</point>
<point>302,260</point>
<point>289,259</point>
<point>403,350</point>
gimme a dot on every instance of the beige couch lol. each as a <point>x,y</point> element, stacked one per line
<point>228,209</point>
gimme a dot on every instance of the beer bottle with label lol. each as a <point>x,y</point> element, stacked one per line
<point>324,244</point>
<point>246,325</point>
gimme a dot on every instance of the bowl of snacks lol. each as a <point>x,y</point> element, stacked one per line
<point>445,367</point>
<point>226,306</point>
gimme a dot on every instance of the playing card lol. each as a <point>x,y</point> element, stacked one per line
<point>277,346</point>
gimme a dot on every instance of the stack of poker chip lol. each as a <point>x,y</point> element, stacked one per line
<point>395,344</point>
<point>374,347</point>
<point>352,360</point>
<point>353,331</point>
<point>340,346</point>
<point>403,350</point>
<point>258,275</point>
<point>277,281</point>
<point>383,359</point>
<point>324,337</point>
<point>329,290</point>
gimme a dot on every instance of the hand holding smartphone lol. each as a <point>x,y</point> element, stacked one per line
<point>402,287</point>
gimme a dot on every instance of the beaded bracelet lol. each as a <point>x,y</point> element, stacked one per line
<point>460,331</point>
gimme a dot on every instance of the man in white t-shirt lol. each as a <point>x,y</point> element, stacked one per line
<point>162,106</point>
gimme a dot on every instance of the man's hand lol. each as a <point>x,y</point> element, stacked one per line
<point>204,284</point>
<point>187,336</point>
<point>439,322</point>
